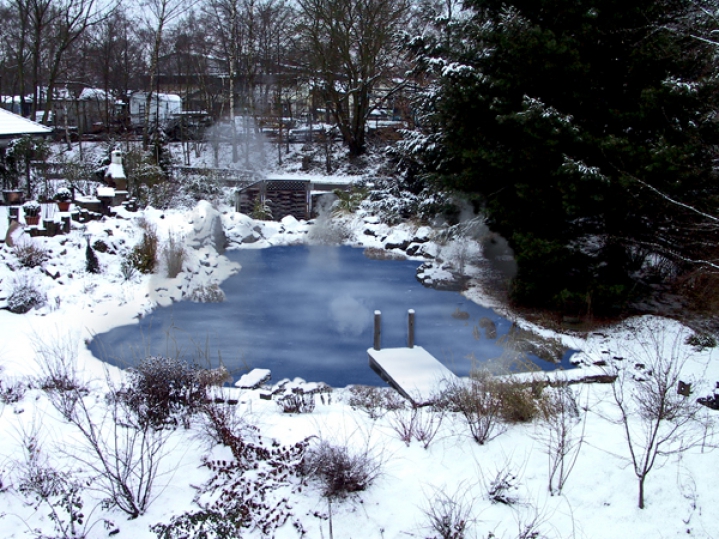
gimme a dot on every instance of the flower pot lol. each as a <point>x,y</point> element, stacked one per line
<point>63,205</point>
<point>32,220</point>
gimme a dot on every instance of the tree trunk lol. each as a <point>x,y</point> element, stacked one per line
<point>641,491</point>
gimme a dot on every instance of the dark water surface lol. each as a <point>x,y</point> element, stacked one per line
<point>308,312</point>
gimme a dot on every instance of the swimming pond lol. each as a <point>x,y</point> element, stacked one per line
<point>307,311</point>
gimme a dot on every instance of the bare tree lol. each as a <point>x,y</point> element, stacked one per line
<point>351,48</point>
<point>161,14</point>
<point>73,19</point>
<point>656,419</point>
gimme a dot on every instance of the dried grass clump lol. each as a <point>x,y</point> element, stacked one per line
<point>174,255</point>
<point>31,255</point>
<point>210,293</point>
<point>143,256</point>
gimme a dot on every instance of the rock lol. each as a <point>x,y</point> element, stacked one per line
<point>398,239</point>
<point>252,238</point>
<point>413,249</point>
<point>15,233</point>
<point>422,235</point>
<point>254,379</point>
<point>207,228</point>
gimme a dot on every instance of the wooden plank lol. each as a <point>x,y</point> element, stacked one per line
<point>414,372</point>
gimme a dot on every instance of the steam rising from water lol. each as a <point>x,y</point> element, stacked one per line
<point>349,315</point>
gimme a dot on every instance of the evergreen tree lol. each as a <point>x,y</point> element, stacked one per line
<point>92,264</point>
<point>578,124</point>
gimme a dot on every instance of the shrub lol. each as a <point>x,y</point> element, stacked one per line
<point>417,423</point>
<point>701,341</point>
<point>478,402</point>
<point>375,401</point>
<point>223,424</point>
<point>143,256</point>
<point>233,502</point>
<point>101,246</point>
<point>92,264</point>
<point>349,201</point>
<point>30,255</point>
<point>448,516</point>
<point>127,269</point>
<point>11,392</point>
<point>340,470</point>
<point>161,390</point>
<point>502,488</point>
<point>24,297</point>
<point>519,401</point>
<point>560,435</point>
<point>60,492</point>
<point>296,403</point>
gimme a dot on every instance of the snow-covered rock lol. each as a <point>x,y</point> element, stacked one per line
<point>15,235</point>
<point>398,239</point>
<point>254,379</point>
<point>207,229</point>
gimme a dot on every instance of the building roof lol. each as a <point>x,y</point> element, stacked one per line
<point>13,126</point>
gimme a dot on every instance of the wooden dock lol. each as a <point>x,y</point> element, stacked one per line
<point>413,372</point>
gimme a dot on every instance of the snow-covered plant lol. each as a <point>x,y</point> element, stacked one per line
<point>296,403</point>
<point>92,264</point>
<point>479,404</point>
<point>63,194</point>
<point>502,487</point>
<point>24,296</point>
<point>60,492</point>
<point>173,255</point>
<point>223,423</point>
<point>56,356</point>
<point>261,211</point>
<point>30,254</point>
<point>122,452</point>
<point>207,293</point>
<point>31,208</point>
<point>127,269</point>
<point>233,502</point>
<point>328,231</point>
<point>11,392</point>
<point>162,392</point>
<point>340,469</point>
<point>448,516</point>
<point>143,256</point>
<point>403,422</point>
<point>375,401</point>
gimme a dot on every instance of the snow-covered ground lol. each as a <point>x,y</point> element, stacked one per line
<point>454,473</point>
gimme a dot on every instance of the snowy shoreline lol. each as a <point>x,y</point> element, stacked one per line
<point>599,500</point>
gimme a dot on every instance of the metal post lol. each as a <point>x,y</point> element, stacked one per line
<point>377,330</point>
<point>410,329</point>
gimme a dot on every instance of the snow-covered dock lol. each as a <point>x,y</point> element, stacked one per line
<point>414,372</point>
